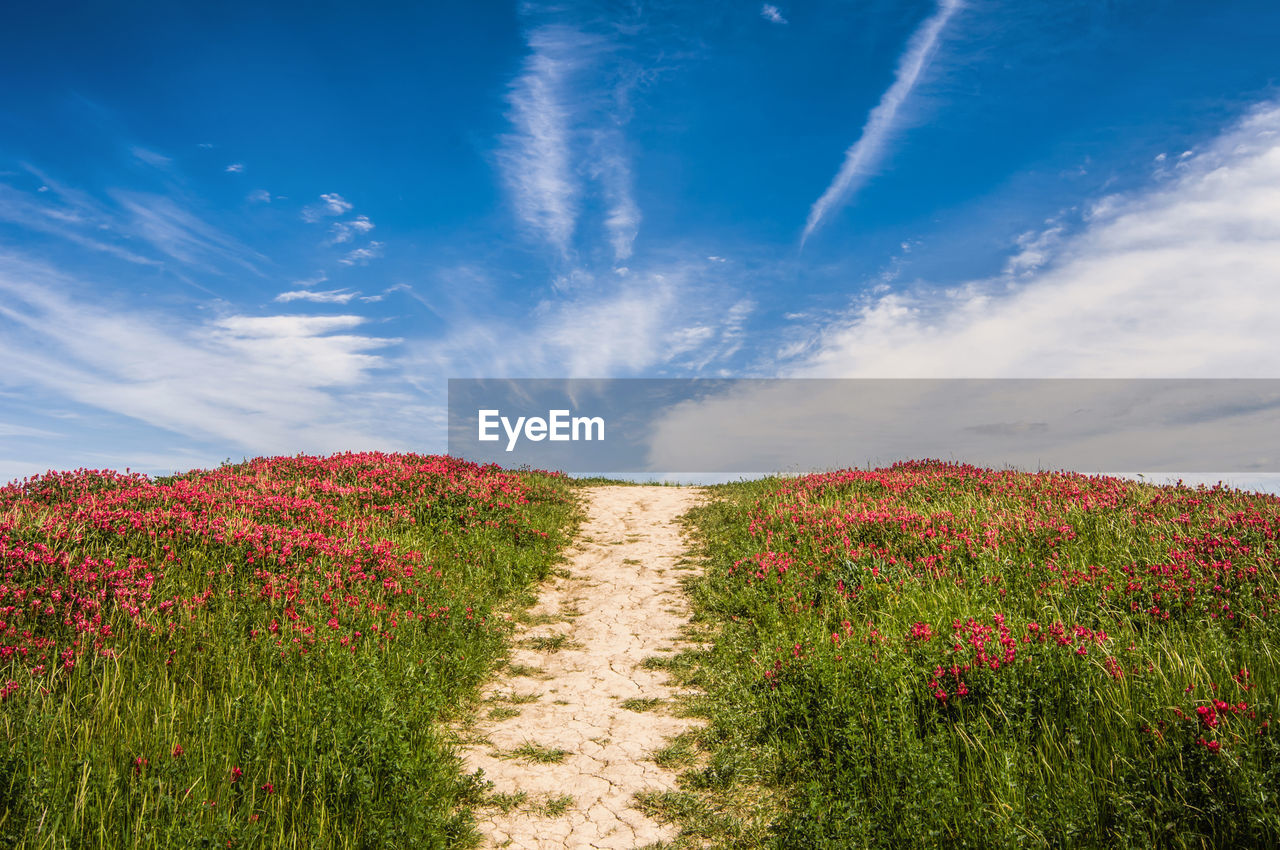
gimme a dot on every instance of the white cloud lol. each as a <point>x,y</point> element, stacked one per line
<point>1035,249</point>
<point>269,384</point>
<point>771,14</point>
<point>666,319</point>
<point>150,157</point>
<point>180,234</point>
<point>861,157</point>
<point>331,204</point>
<point>622,218</point>
<point>345,231</point>
<point>537,159</point>
<point>259,196</point>
<point>568,151</point>
<point>362,256</point>
<point>235,168</point>
<point>1178,280</point>
<point>331,296</point>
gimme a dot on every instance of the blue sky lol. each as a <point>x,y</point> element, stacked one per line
<point>270,228</point>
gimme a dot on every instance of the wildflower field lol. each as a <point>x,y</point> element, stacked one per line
<point>940,655</point>
<point>258,655</point>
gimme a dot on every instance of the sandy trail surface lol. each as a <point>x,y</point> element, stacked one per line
<point>588,719</point>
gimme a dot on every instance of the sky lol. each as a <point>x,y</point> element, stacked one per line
<point>231,230</point>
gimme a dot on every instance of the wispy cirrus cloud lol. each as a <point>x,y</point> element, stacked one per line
<point>862,155</point>
<point>150,157</point>
<point>345,231</point>
<point>567,159</point>
<point>622,214</point>
<point>179,233</point>
<point>362,256</point>
<point>329,296</point>
<point>125,226</point>
<point>537,158</point>
<point>772,14</point>
<point>1173,281</point>
<point>76,218</point>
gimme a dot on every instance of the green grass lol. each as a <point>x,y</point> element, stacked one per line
<point>548,643</point>
<point>552,806</point>
<point>537,754</point>
<point>680,753</point>
<point>515,698</point>
<point>545,805</point>
<point>503,713</point>
<point>835,719</point>
<point>642,703</point>
<point>506,802</point>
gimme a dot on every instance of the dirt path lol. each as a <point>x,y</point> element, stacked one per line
<point>568,730</point>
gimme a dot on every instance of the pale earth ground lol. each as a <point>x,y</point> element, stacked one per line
<point>581,652</point>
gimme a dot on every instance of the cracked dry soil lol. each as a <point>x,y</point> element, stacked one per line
<point>567,742</point>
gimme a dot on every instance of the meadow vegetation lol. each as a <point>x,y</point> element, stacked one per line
<point>257,655</point>
<point>937,655</point>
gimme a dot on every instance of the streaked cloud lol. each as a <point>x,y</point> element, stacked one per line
<point>862,156</point>
<point>331,296</point>
<point>235,168</point>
